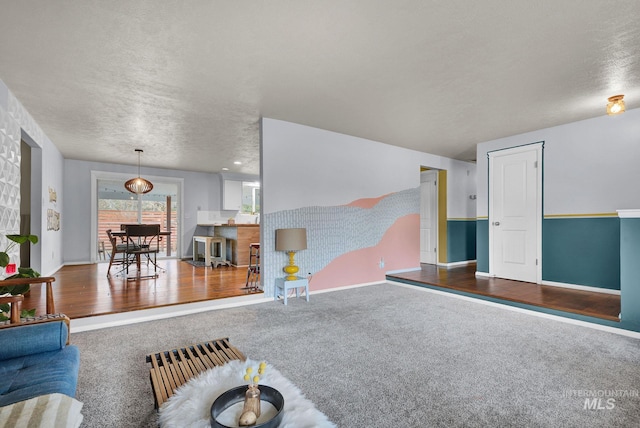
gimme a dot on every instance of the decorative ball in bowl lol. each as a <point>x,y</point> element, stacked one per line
<point>236,396</point>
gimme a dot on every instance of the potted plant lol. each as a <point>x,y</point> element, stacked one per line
<point>23,272</point>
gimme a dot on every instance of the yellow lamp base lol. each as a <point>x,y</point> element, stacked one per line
<point>291,269</point>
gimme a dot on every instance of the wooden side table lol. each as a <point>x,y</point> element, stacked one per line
<point>282,286</point>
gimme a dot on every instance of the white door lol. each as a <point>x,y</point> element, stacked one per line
<point>428,217</point>
<point>515,213</point>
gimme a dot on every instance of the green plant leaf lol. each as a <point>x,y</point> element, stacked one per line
<point>5,307</point>
<point>14,289</point>
<point>4,259</point>
<point>6,289</point>
<point>25,272</point>
<point>28,313</point>
<point>3,317</point>
<point>21,289</point>
<point>21,239</point>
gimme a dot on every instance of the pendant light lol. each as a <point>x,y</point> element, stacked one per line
<point>138,185</point>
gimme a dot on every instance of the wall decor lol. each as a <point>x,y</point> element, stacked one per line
<point>53,196</point>
<point>53,220</point>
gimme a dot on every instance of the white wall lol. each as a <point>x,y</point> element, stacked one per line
<point>590,166</point>
<point>321,168</point>
<point>15,120</point>
<point>461,183</point>
<point>52,241</point>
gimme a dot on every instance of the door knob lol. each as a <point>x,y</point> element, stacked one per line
<point>496,223</point>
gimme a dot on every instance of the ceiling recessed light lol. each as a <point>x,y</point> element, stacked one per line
<point>225,169</point>
<point>237,163</point>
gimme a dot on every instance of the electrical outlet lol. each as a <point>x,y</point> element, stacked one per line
<point>381,262</point>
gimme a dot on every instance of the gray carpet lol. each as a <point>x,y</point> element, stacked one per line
<point>385,356</point>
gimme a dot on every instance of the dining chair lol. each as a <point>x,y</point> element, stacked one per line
<point>142,240</point>
<point>115,250</point>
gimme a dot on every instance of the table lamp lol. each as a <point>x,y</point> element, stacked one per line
<point>291,240</point>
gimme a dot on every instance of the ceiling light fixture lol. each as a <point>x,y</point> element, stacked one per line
<point>138,185</point>
<point>616,105</point>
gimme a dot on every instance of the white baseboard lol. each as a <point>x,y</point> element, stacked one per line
<point>345,287</point>
<point>53,271</point>
<point>391,272</point>
<point>564,285</point>
<point>457,264</point>
<point>582,287</point>
<point>79,263</point>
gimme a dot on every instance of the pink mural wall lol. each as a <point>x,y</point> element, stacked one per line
<point>399,248</point>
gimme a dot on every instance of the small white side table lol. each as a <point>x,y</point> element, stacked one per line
<point>282,286</point>
<point>209,242</point>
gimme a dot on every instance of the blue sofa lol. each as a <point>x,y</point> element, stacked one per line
<point>36,360</point>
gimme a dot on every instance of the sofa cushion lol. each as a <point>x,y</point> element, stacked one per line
<point>32,339</point>
<point>29,376</point>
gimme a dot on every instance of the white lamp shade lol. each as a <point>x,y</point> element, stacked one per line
<point>291,239</point>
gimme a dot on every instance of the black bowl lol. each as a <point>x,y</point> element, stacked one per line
<point>235,395</point>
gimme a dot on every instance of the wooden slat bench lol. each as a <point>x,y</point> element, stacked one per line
<point>171,369</point>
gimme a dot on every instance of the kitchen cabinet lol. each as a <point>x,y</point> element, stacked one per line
<point>239,238</point>
<point>232,195</point>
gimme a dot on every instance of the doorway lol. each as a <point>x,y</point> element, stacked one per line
<point>515,213</point>
<point>25,201</point>
<point>429,217</point>
<point>113,206</point>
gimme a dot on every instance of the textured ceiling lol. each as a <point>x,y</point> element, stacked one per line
<point>187,81</point>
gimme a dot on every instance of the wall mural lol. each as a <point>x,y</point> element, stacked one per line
<point>349,244</point>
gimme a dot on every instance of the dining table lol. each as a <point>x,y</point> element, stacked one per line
<point>142,242</point>
<point>123,233</point>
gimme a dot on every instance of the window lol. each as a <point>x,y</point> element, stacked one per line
<point>250,197</point>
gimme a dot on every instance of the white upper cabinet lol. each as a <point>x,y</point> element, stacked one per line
<point>232,195</point>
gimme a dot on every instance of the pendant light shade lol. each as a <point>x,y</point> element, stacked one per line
<point>138,185</point>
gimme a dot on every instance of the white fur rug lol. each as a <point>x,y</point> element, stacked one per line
<point>190,406</point>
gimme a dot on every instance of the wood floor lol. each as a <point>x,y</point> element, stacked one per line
<point>84,290</point>
<point>463,279</point>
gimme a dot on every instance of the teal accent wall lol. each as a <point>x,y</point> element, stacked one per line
<point>482,245</point>
<point>630,271</point>
<point>583,251</point>
<point>461,240</point>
